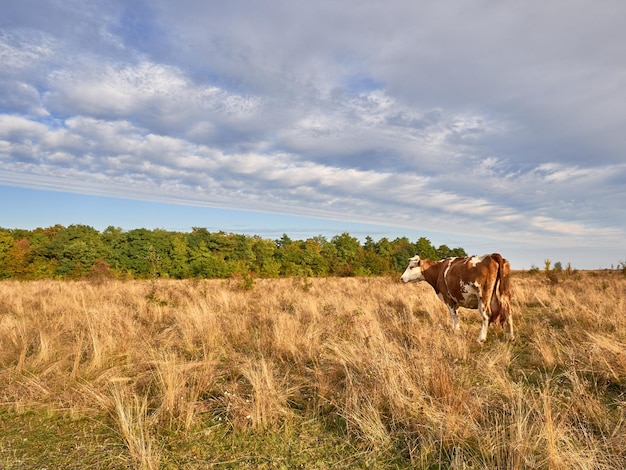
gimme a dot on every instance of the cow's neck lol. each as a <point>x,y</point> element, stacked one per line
<point>431,270</point>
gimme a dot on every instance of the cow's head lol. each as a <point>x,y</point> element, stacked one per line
<point>414,271</point>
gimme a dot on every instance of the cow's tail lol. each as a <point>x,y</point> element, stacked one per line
<point>501,297</point>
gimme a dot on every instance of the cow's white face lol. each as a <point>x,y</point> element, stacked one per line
<point>413,272</point>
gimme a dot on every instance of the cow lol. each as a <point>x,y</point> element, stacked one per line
<point>477,282</point>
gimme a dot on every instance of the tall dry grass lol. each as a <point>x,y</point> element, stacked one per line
<point>372,360</point>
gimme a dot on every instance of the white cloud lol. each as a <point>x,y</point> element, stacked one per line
<point>21,50</point>
<point>20,128</point>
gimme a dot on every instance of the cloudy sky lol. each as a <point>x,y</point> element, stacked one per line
<point>495,126</point>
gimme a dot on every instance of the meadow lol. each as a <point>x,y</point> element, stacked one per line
<point>309,373</point>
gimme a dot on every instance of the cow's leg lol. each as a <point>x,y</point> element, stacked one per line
<point>509,320</point>
<point>454,317</point>
<point>484,313</point>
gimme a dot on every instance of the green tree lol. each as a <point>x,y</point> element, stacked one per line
<point>329,252</point>
<point>6,244</point>
<point>42,265</point>
<point>347,250</point>
<point>206,264</point>
<point>17,259</point>
<point>135,253</point>
<point>241,256</point>
<point>444,251</point>
<point>284,241</point>
<point>179,257</point>
<point>403,250</point>
<point>373,264</point>
<point>315,263</point>
<point>73,249</point>
<point>458,252</point>
<point>265,264</point>
<point>291,260</point>
<point>160,253</point>
<point>426,250</point>
<point>384,249</point>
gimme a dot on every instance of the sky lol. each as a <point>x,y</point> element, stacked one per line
<point>488,125</point>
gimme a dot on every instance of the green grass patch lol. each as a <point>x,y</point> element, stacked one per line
<point>50,439</point>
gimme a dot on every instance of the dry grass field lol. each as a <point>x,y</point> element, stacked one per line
<point>309,373</point>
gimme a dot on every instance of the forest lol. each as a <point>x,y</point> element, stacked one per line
<point>82,252</point>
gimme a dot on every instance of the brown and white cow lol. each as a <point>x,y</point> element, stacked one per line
<point>478,282</point>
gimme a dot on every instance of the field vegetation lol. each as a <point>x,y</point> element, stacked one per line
<point>309,373</point>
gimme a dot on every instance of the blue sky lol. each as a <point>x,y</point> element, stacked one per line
<point>494,126</point>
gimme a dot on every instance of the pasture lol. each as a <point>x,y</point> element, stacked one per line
<point>309,373</point>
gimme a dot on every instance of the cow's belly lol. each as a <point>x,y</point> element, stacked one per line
<point>471,302</point>
<point>470,295</point>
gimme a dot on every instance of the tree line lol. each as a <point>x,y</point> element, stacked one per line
<point>80,251</point>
